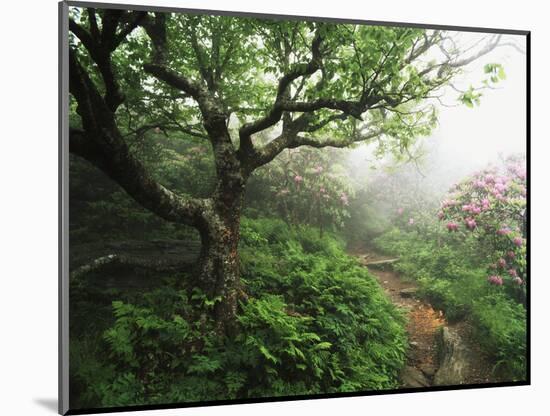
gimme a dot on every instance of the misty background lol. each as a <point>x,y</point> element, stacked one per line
<point>466,139</point>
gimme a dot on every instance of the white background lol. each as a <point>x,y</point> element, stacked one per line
<point>28,206</point>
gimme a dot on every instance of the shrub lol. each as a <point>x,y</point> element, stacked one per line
<point>500,324</point>
<point>342,304</point>
<point>491,204</point>
<point>314,322</point>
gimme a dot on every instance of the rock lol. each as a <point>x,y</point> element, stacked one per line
<point>454,359</point>
<point>408,292</point>
<point>428,370</point>
<point>380,264</point>
<point>413,377</point>
<point>412,350</point>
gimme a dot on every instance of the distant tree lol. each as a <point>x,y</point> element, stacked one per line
<point>225,80</point>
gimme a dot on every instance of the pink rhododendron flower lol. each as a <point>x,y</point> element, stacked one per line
<point>322,190</point>
<point>448,203</point>
<point>440,215</point>
<point>504,231</point>
<point>298,179</point>
<point>495,280</point>
<point>489,178</point>
<point>411,221</point>
<point>517,281</point>
<point>470,223</point>
<point>479,184</point>
<point>518,241</point>
<point>501,262</point>
<point>344,199</point>
<point>511,255</point>
<point>513,272</point>
<point>452,226</point>
<point>496,194</point>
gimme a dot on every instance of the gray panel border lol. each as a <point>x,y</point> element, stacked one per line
<point>167,9</point>
<point>63,210</point>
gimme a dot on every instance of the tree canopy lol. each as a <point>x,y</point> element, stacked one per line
<point>298,82</point>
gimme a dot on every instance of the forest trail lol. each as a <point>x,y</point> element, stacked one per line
<point>424,329</point>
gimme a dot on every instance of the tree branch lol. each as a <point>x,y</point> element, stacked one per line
<point>275,113</point>
<point>109,25</point>
<point>101,44</point>
<point>138,262</point>
<point>352,108</point>
<point>208,104</point>
<point>484,51</point>
<point>175,80</point>
<point>204,69</point>
<point>94,28</point>
<point>333,142</point>
<point>214,115</point>
<point>292,139</point>
<point>131,175</point>
<point>100,143</point>
<point>174,125</point>
<point>132,21</point>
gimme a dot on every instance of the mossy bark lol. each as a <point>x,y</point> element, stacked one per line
<point>218,267</point>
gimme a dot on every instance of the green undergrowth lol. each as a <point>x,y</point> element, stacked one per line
<point>451,276</point>
<point>314,321</point>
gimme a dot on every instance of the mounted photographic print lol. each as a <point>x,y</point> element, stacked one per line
<point>262,208</point>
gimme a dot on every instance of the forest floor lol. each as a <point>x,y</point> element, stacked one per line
<point>423,326</point>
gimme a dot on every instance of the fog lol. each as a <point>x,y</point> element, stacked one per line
<point>467,139</point>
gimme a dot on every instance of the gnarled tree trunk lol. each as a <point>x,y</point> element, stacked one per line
<point>218,266</point>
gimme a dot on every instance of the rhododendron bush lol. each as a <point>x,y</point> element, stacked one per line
<point>306,186</point>
<point>491,204</point>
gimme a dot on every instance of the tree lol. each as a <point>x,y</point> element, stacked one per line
<point>225,81</point>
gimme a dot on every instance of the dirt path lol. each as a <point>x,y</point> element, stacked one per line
<point>423,326</point>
